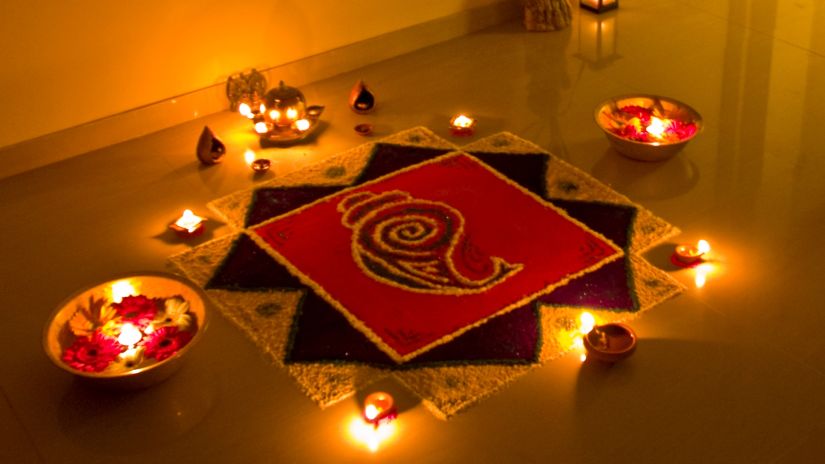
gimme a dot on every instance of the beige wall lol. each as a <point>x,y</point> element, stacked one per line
<point>66,62</point>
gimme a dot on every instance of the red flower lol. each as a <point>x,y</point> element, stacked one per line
<point>682,130</point>
<point>92,354</point>
<point>165,342</point>
<point>640,112</point>
<point>630,132</point>
<point>138,310</point>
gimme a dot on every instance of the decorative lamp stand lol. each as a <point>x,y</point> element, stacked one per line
<point>281,117</point>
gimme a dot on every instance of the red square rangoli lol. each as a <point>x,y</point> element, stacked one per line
<point>417,257</point>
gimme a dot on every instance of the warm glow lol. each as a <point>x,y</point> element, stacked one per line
<point>378,407</point>
<point>274,115</point>
<point>262,109</point>
<point>189,221</point>
<point>302,124</point>
<point>369,435</point>
<point>371,412</point>
<point>700,277</point>
<point>245,110</point>
<point>249,156</point>
<point>703,246</point>
<point>586,323</point>
<point>656,128</point>
<point>122,288</point>
<point>129,335</point>
<point>462,121</point>
<point>583,357</point>
<point>130,355</point>
<point>292,114</point>
<point>260,127</point>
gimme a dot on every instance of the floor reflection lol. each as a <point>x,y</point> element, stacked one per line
<point>134,422</point>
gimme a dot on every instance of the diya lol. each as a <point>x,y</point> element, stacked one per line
<point>610,342</point>
<point>379,408</point>
<point>363,129</point>
<point>462,125</point>
<point>188,225</point>
<point>689,255</point>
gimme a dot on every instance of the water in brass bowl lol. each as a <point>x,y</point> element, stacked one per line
<point>647,127</point>
<point>129,332</point>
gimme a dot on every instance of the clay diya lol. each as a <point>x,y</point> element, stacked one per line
<point>379,408</point>
<point>610,342</point>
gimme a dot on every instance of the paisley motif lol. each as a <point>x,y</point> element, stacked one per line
<point>418,245</point>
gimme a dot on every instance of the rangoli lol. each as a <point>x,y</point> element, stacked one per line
<point>456,270</point>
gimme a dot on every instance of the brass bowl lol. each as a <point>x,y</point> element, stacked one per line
<point>150,284</point>
<point>647,151</point>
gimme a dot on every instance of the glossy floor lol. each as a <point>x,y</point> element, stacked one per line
<point>732,371</point>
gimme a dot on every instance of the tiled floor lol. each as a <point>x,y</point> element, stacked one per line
<point>730,372</point>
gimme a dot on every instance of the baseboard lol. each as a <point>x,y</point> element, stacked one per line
<point>64,144</point>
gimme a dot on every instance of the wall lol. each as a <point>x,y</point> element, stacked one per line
<point>70,62</point>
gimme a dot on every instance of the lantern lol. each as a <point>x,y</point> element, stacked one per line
<point>599,6</point>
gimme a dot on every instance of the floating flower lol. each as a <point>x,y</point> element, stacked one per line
<point>87,319</point>
<point>647,125</point>
<point>165,342</point>
<point>175,313</point>
<point>92,354</point>
<point>139,310</point>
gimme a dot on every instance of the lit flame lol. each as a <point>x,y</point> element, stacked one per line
<point>129,335</point>
<point>292,114</point>
<point>462,121</point>
<point>656,128</point>
<point>249,156</point>
<point>371,412</point>
<point>703,246</point>
<point>302,124</point>
<point>370,435</point>
<point>122,288</point>
<point>189,221</point>
<point>586,323</point>
<point>274,115</point>
<point>262,109</point>
<point>260,127</point>
<point>245,110</point>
